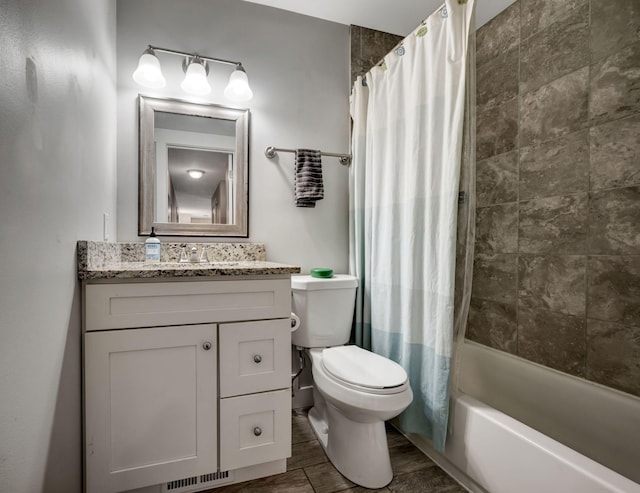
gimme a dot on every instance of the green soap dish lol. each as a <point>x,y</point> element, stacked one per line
<point>322,272</point>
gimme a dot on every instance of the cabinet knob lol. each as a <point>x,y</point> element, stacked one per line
<point>257,358</point>
<point>257,431</point>
<point>206,345</point>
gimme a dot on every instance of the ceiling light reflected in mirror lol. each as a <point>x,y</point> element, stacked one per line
<point>196,174</point>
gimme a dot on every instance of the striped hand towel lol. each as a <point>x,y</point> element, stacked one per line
<point>308,178</point>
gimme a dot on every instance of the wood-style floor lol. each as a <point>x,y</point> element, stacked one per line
<point>309,470</point>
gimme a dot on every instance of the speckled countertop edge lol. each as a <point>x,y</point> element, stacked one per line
<point>107,260</point>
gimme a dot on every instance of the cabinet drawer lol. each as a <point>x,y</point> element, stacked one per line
<point>255,357</point>
<point>255,429</point>
<point>126,305</point>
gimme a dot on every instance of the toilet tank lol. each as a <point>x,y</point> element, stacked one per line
<point>325,308</point>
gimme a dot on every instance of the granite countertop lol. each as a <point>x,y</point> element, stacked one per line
<point>106,260</point>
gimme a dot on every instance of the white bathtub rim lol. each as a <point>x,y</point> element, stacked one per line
<point>606,479</point>
<point>591,419</point>
<point>613,481</point>
<point>620,394</point>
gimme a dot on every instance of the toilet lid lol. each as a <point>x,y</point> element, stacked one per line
<point>363,368</point>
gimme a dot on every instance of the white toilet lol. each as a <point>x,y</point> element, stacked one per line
<point>355,390</point>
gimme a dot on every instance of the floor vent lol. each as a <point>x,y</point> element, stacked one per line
<point>179,484</point>
<point>195,483</point>
<point>214,476</point>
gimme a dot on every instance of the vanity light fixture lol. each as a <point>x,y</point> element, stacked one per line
<point>196,68</point>
<point>238,88</point>
<point>148,73</point>
<point>195,81</point>
<point>196,174</point>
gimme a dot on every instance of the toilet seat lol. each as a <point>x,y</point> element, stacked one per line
<point>362,370</point>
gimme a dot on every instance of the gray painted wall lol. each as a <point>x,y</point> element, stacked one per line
<point>57,177</point>
<point>298,68</point>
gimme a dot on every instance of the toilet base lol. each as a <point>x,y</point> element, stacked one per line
<point>319,427</point>
<point>358,450</point>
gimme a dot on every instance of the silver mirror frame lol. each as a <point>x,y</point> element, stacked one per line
<point>147,168</point>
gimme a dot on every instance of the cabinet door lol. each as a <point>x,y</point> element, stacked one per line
<point>254,429</point>
<point>255,357</point>
<point>150,406</point>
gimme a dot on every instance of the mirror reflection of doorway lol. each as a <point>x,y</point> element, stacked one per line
<point>200,188</point>
<point>206,129</point>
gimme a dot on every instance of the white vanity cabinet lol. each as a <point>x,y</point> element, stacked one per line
<point>186,382</point>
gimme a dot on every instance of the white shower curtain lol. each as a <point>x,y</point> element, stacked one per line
<point>407,147</point>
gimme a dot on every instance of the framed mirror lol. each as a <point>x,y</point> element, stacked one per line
<point>193,171</point>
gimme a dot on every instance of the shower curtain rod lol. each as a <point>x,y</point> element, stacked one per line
<point>345,159</point>
<point>381,61</point>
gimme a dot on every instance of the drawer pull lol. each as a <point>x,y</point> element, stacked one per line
<point>257,431</point>
<point>257,358</point>
<point>206,345</point>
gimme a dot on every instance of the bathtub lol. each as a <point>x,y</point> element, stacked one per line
<point>490,451</point>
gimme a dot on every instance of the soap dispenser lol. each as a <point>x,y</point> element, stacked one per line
<point>152,248</point>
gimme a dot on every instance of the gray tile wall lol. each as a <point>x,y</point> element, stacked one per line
<point>557,268</point>
<point>368,46</point>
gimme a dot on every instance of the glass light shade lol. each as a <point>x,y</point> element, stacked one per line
<point>196,174</point>
<point>238,88</point>
<point>148,73</point>
<point>195,81</point>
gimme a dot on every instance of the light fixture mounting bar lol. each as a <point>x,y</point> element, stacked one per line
<point>192,55</point>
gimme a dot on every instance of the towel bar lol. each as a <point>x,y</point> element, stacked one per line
<point>271,152</point>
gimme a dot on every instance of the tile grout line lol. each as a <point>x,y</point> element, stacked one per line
<point>517,256</point>
<point>562,136</point>
<point>588,221</point>
<point>587,192</point>
<point>308,479</point>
